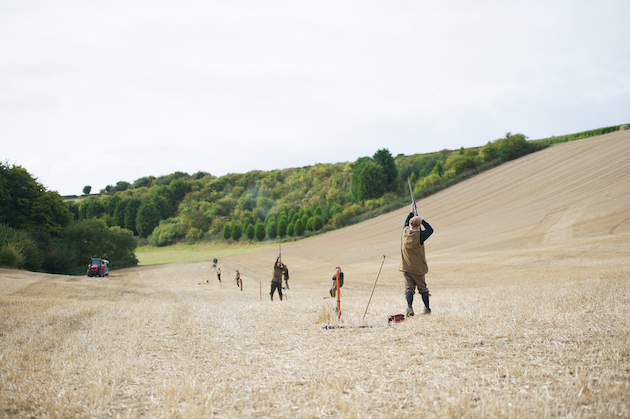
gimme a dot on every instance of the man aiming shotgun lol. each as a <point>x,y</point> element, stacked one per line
<point>276,280</point>
<point>413,260</point>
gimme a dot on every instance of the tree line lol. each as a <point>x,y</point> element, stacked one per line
<point>285,204</point>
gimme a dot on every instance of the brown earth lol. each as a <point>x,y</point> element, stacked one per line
<point>529,276</point>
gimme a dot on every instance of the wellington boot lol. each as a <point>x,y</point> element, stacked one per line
<point>280,297</point>
<point>425,300</point>
<point>271,297</point>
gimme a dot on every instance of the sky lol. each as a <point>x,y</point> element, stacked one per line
<point>92,93</point>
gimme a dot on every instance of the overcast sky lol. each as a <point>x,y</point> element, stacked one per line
<point>92,93</point>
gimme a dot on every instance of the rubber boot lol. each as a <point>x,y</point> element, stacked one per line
<point>280,297</point>
<point>409,296</point>
<point>271,297</point>
<point>425,299</point>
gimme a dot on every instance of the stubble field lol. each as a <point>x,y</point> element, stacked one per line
<point>529,276</point>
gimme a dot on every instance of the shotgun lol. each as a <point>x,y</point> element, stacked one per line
<point>413,201</point>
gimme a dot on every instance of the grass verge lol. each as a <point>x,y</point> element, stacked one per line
<point>149,255</point>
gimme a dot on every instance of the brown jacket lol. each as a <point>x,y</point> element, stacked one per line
<point>277,273</point>
<point>412,258</point>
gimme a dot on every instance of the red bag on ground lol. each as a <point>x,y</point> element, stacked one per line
<point>396,318</point>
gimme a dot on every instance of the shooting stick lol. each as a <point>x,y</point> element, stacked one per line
<point>413,201</point>
<point>379,272</point>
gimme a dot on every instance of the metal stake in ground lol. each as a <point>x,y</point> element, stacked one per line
<point>379,272</point>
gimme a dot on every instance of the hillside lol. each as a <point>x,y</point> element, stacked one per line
<point>529,276</point>
<point>533,204</point>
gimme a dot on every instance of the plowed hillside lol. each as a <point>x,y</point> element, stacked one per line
<point>530,282</point>
<point>567,204</point>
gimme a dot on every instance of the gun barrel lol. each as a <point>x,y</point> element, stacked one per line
<point>413,200</point>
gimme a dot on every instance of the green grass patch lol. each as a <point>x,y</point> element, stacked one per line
<point>149,255</point>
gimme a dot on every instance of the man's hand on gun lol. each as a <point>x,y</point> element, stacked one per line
<point>413,207</point>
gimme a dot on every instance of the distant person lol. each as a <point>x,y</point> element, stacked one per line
<point>276,281</point>
<point>219,273</point>
<point>285,274</point>
<point>238,278</point>
<point>333,289</point>
<point>413,261</point>
<point>214,262</point>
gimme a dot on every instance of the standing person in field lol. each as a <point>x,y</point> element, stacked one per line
<point>276,280</point>
<point>285,274</point>
<point>413,261</point>
<point>333,289</point>
<point>238,278</point>
<point>219,273</point>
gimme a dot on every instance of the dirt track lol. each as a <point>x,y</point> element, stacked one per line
<point>529,275</point>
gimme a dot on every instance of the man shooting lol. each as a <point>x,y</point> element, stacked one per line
<point>413,260</point>
<point>276,281</point>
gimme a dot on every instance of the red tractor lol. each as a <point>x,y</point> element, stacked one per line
<point>98,267</point>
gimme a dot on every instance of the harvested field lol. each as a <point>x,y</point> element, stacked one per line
<point>530,283</point>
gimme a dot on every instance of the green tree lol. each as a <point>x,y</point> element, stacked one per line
<point>290,229</point>
<point>180,188</point>
<point>489,152</point>
<point>147,218</point>
<point>143,182</point>
<point>368,180</point>
<point>119,213</point>
<point>165,200</point>
<point>299,228</point>
<point>260,230</point>
<point>272,229</point>
<point>131,212</point>
<point>384,159</point>
<point>91,208</point>
<point>74,209</point>
<point>88,239</point>
<point>512,146</point>
<point>318,223</point>
<point>438,169</point>
<point>237,231</point>
<point>282,226</point>
<point>122,186</point>
<point>25,203</point>
<point>19,249</point>
<point>251,231</point>
<point>227,231</point>
<point>121,247</point>
<point>460,162</point>
<point>92,238</point>
<point>164,207</point>
<point>111,204</point>
<point>87,189</point>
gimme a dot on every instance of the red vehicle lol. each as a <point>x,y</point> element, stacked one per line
<point>98,267</point>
